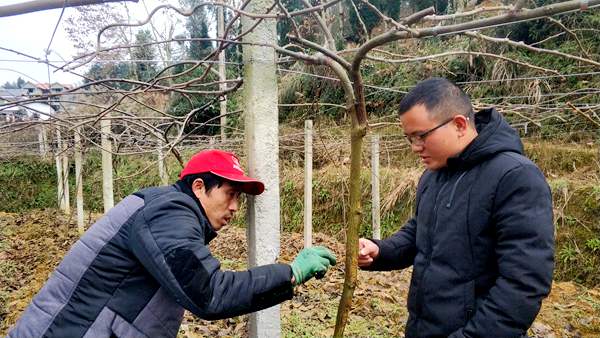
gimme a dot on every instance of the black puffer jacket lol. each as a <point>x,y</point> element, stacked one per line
<point>136,269</point>
<point>481,242</point>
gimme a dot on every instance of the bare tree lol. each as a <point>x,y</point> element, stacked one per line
<point>143,120</point>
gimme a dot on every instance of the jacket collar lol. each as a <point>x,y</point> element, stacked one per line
<point>494,135</point>
<point>209,231</point>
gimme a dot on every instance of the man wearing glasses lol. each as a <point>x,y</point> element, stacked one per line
<point>481,241</point>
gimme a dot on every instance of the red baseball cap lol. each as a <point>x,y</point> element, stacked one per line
<point>225,165</point>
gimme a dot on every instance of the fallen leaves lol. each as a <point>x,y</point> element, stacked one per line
<point>32,245</point>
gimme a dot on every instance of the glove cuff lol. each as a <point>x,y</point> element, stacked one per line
<point>297,274</point>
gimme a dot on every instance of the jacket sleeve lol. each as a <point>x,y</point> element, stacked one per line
<point>168,240</point>
<point>522,215</point>
<point>397,251</point>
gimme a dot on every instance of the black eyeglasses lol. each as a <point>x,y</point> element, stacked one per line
<point>419,138</point>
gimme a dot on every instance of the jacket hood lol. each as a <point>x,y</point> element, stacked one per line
<point>209,231</point>
<point>495,136</point>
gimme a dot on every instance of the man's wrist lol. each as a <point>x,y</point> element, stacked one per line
<point>295,275</point>
<point>375,242</point>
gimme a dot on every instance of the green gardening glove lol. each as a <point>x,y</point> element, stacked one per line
<point>312,262</point>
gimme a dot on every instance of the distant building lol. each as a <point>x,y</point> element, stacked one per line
<point>40,89</point>
<point>26,112</point>
<point>11,94</point>
<point>41,109</point>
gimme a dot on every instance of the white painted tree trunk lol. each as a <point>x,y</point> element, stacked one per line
<point>222,71</point>
<point>79,180</point>
<point>308,175</point>
<point>262,146</point>
<point>107,166</point>
<point>376,208</point>
<point>59,171</point>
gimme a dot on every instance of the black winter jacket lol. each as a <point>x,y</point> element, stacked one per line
<point>481,241</point>
<point>135,270</point>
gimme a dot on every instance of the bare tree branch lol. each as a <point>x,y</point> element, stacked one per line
<point>499,20</point>
<point>325,51</point>
<point>460,15</point>
<point>329,41</point>
<point>561,25</point>
<point>522,44</point>
<point>586,116</point>
<point>42,5</point>
<point>462,52</point>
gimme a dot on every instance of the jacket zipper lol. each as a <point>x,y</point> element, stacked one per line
<point>429,252</point>
<point>449,204</point>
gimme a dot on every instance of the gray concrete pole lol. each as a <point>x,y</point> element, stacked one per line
<point>222,71</point>
<point>308,174</point>
<point>376,209</point>
<point>107,167</point>
<point>262,145</point>
<point>42,139</point>
<point>65,177</point>
<point>59,171</point>
<point>79,180</point>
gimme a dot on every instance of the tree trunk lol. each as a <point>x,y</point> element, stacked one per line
<point>358,132</point>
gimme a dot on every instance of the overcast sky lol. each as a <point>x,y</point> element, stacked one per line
<point>30,33</point>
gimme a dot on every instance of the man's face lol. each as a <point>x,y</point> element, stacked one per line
<point>438,145</point>
<point>220,203</point>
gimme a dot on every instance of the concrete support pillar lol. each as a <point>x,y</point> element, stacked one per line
<point>65,175</point>
<point>107,165</point>
<point>308,175</point>
<point>222,71</point>
<point>79,180</point>
<point>376,209</point>
<point>43,140</point>
<point>262,145</point>
<point>59,171</point>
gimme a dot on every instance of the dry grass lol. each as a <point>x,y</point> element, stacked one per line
<point>35,242</point>
<point>404,189</point>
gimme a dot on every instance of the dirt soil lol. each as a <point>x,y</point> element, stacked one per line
<point>32,245</point>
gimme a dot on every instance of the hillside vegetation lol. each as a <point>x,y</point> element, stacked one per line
<point>572,172</point>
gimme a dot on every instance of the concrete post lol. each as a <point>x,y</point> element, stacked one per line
<point>222,71</point>
<point>65,176</point>
<point>308,173</point>
<point>107,167</point>
<point>79,180</point>
<point>42,139</point>
<point>59,171</point>
<point>262,145</point>
<point>376,216</point>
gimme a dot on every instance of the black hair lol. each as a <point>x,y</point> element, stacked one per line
<point>210,180</point>
<point>442,99</point>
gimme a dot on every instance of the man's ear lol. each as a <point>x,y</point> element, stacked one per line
<point>462,123</point>
<point>198,187</point>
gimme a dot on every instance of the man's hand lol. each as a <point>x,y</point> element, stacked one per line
<point>311,262</point>
<point>367,252</point>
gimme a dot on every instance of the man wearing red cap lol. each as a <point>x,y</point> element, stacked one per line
<point>136,269</point>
